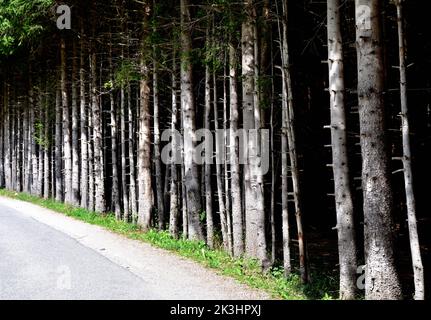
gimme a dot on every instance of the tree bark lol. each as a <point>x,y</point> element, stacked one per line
<point>114,132</point>
<point>157,159</point>
<point>191,178</point>
<point>144,146</point>
<point>208,158</point>
<point>58,149</point>
<point>381,280</point>
<point>47,148</point>
<point>407,162</point>
<point>84,179</point>
<point>99,188</point>
<point>174,201</point>
<point>75,130</point>
<point>67,133</point>
<point>289,131</point>
<point>235,184</point>
<point>343,195</point>
<point>254,215</point>
<point>132,170</point>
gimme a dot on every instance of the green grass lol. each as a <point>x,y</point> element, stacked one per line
<point>244,270</point>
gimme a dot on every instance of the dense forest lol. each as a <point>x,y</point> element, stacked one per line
<point>293,132</point>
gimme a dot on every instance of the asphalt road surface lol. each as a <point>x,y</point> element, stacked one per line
<point>45,255</point>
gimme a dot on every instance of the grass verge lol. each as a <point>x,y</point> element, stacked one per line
<point>246,271</point>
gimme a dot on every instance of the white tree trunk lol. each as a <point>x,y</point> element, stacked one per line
<point>99,188</point>
<point>146,196</point>
<point>174,201</point>
<point>254,215</point>
<point>343,195</point>
<point>235,184</point>
<point>84,129</point>
<point>157,159</point>
<point>208,158</point>
<point>58,149</point>
<point>191,178</point>
<point>381,280</point>
<point>407,162</point>
<point>67,134</point>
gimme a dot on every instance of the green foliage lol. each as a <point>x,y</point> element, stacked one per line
<point>214,55</point>
<point>108,85</point>
<point>203,216</point>
<point>39,135</point>
<point>126,73</point>
<point>20,22</point>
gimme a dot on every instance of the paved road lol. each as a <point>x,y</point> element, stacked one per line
<point>44,255</point>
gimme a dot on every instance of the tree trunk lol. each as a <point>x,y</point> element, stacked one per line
<point>219,172</point>
<point>289,132</point>
<point>208,159</point>
<point>75,130</point>
<point>407,162</point>
<point>47,147</point>
<point>225,159</point>
<point>40,148</point>
<point>84,184</point>
<point>114,129</point>
<point>343,195</point>
<point>235,184</point>
<point>7,160</point>
<point>157,159</point>
<point>191,178</point>
<point>2,133</point>
<point>381,280</point>
<point>58,149</point>
<point>124,155</point>
<point>99,188</point>
<point>174,201</point>
<point>144,144</point>
<point>132,187</point>
<point>91,177</point>
<point>26,151</point>
<point>67,134</point>
<point>254,215</point>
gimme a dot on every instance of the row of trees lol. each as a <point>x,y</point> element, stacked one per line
<point>83,116</point>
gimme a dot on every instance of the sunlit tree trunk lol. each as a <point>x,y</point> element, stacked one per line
<point>191,178</point>
<point>255,242</point>
<point>174,201</point>
<point>47,148</point>
<point>114,130</point>
<point>415,248</point>
<point>343,195</point>
<point>157,159</point>
<point>381,280</point>
<point>84,179</point>
<point>235,183</point>
<point>58,148</point>
<point>144,143</point>
<point>132,169</point>
<point>208,157</point>
<point>67,133</point>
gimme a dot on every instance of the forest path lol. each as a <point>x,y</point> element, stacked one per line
<point>45,255</point>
